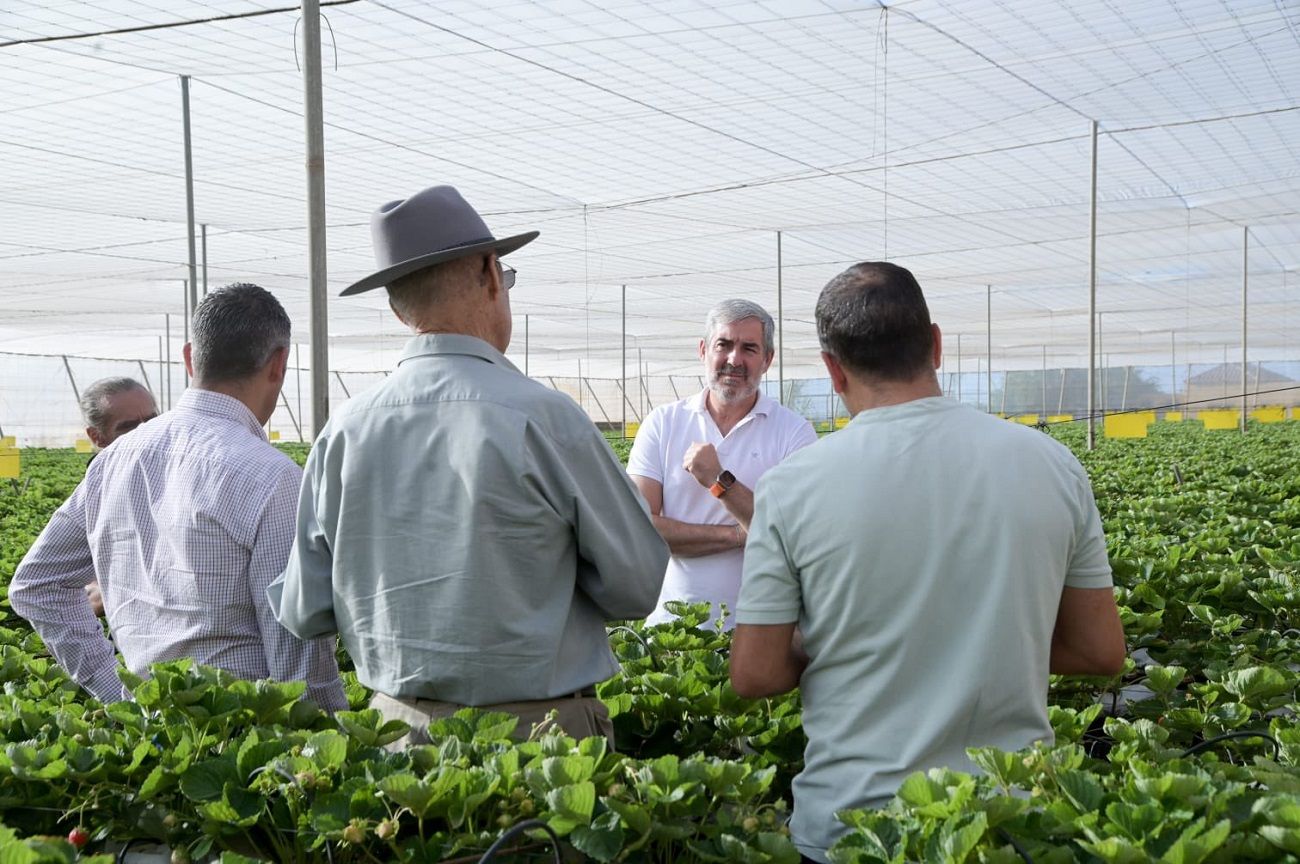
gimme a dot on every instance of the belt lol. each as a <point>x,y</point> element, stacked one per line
<point>584,693</point>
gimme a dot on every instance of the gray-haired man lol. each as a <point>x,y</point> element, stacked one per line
<point>184,522</point>
<point>112,407</point>
<point>696,461</point>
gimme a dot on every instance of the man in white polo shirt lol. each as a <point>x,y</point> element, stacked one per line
<point>697,460</point>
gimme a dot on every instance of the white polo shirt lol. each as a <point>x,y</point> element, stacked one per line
<point>764,437</point>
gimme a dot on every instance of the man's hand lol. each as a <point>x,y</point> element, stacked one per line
<point>96,599</point>
<point>702,462</point>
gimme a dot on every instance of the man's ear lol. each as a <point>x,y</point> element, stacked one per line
<point>186,351</point>
<point>938,345</point>
<point>400,316</point>
<point>278,364</point>
<point>839,378</point>
<point>95,438</point>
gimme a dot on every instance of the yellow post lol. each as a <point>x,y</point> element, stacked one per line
<point>1027,419</point>
<point>83,445</point>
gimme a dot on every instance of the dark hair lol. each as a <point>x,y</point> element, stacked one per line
<point>95,398</point>
<point>236,329</point>
<point>872,318</point>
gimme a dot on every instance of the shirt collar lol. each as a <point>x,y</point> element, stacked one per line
<point>220,405</point>
<point>435,344</point>
<point>761,408</point>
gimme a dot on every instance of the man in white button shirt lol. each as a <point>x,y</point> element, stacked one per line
<point>696,461</point>
<point>185,522</point>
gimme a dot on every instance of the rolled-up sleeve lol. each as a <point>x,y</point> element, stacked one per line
<point>48,589</point>
<point>288,657</point>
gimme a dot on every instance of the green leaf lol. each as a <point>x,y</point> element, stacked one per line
<point>204,781</point>
<point>328,750</point>
<point>1256,683</point>
<point>1164,680</point>
<point>407,791</point>
<point>570,806</point>
<point>602,844</point>
<point>1081,789</point>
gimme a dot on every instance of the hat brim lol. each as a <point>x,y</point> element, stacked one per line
<point>397,271</point>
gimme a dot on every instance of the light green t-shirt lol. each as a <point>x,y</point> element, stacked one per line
<point>922,550</point>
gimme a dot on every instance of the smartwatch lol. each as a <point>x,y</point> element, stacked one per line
<point>724,482</point>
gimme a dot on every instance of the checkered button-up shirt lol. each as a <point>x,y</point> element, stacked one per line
<point>184,522</point>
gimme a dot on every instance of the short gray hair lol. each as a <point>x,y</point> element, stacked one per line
<point>94,399</point>
<point>412,295</point>
<point>236,330</point>
<point>730,311</point>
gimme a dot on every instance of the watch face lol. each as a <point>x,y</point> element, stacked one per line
<point>726,478</point>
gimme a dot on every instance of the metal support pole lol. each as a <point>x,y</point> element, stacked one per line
<point>623,380</point>
<point>1101,354</point>
<point>292,419</point>
<point>525,346</point>
<point>1092,298</point>
<point>596,399</point>
<point>1225,376</point>
<point>780,327</point>
<point>73,381</point>
<point>1245,274</point>
<point>297,363</point>
<point>189,198</point>
<point>167,319</point>
<point>1123,400</point>
<point>1255,390</point>
<point>339,378</point>
<point>1044,380</point>
<point>1173,372</point>
<point>145,375</point>
<point>958,367</point>
<point>644,398</point>
<point>988,367</point>
<point>315,128</point>
<point>204,231</point>
<point>1060,397</point>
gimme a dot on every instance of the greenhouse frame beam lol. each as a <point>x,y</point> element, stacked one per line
<point>314,115</point>
<point>780,327</point>
<point>1245,282</point>
<point>193,286</point>
<point>1092,298</point>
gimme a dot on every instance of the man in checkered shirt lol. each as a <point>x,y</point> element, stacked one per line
<point>184,523</point>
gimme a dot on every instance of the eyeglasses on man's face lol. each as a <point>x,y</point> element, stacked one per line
<point>507,276</point>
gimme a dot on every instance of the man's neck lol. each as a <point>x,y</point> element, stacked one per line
<point>864,395</point>
<point>727,414</point>
<point>250,397</point>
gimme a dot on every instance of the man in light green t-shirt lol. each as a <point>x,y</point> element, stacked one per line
<point>917,574</point>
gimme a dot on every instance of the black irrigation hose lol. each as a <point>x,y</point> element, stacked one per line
<point>1020,850</point>
<point>519,828</point>
<point>1210,742</point>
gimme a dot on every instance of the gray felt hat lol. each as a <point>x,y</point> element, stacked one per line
<point>430,227</point>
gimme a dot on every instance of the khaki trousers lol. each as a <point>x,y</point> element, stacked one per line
<point>579,715</point>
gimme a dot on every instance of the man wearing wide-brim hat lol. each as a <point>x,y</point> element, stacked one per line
<point>467,531</point>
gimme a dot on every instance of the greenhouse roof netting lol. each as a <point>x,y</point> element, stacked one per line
<point>664,146</point>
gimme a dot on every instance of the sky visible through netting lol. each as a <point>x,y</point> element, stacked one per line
<point>670,153</point>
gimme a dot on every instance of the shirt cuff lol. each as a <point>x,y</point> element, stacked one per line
<point>767,616</point>
<point>1090,580</point>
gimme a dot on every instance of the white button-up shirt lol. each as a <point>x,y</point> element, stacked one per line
<point>184,522</point>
